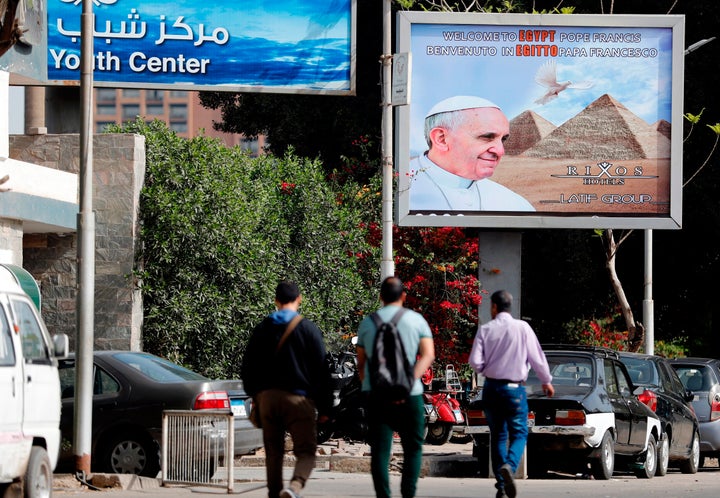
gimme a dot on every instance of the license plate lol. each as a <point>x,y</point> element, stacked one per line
<point>238,407</point>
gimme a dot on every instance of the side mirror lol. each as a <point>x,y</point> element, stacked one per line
<point>61,345</point>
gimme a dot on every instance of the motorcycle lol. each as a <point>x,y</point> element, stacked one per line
<point>348,416</point>
<point>442,408</point>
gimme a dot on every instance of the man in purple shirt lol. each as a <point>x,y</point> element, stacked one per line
<point>503,351</point>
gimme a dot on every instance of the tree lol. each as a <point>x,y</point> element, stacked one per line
<point>219,229</point>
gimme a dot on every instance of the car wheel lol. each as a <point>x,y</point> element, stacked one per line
<point>604,465</point>
<point>690,466</point>
<point>663,456</point>
<point>130,453</point>
<point>324,432</point>
<point>651,461</point>
<point>438,434</point>
<point>38,476</point>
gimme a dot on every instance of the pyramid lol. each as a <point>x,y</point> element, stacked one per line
<point>663,127</point>
<point>526,129</point>
<point>604,130</point>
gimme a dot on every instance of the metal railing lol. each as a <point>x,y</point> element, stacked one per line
<point>197,448</point>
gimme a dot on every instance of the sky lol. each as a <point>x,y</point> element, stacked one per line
<point>642,83</point>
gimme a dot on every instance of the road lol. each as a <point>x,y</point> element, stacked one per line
<point>323,483</point>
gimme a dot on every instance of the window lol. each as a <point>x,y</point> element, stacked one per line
<point>154,95</point>
<point>177,94</point>
<point>131,93</point>
<point>105,109</point>
<point>179,127</point>
<point>103,382</point>
<point>102,126</point>
<point>178,111</point>
<point>250,144</point>
<point>7,353</point>
<point>31,334</point>
<point>154,109</point>
<point>105,95</point>
<point>130,111</point>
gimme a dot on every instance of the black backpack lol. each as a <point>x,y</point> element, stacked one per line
<point>391,375</point>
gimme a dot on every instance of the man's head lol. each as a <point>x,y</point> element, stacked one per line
<point>465,135</point>
<point>392,290</point>
<point>286,292</point>
<point>500,301</point>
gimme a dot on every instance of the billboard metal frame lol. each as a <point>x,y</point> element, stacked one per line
<point>464,41</point>
<point>233,45</point>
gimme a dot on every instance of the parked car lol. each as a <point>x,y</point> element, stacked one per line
<point>594,419</point>
<point>130,392</point>
<point>665,395</point>
<point>701,376</point>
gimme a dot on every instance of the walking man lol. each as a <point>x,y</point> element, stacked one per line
<point>291,384</point>
<point>406,417</point>
<point>503,351</point>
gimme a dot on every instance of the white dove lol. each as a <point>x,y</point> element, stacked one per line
<point>547,77</point>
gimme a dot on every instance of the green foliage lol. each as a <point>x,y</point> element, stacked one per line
<point>219,229</point>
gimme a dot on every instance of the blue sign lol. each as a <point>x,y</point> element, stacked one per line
<point>283,46</point>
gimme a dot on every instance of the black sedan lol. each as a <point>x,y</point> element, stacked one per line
<point>665,394</point>
<point>130,392</point>
<point>593,424</point>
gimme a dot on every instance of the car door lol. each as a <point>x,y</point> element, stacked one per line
<point>41,406</point>
<point>623,415</point>
<point>639,413</point>
<point>679,412</point>
<point>11,401</point>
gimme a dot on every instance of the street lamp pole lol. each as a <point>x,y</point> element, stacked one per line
<point>387,265</point>
<point>86,254</point>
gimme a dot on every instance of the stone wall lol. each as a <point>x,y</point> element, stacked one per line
<point>118,174</point>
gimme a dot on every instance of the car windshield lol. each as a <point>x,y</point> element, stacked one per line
<point>642,371</point>
<point>572,375</point>
<point>158,369</point>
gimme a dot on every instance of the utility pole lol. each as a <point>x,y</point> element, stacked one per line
<point>82,425</point>
<point>387,265</point>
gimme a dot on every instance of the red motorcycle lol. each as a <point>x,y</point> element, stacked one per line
<point>442,409</point>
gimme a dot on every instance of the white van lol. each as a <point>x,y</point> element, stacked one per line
<point>29,389</point>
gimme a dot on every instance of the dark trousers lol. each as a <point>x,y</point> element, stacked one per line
<point>506,410</point>
<point>282,411</point>
<point>408,420</point>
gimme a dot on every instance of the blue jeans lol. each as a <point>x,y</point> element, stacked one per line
<point>506,410</point>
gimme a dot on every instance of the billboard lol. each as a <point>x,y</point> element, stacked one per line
<point>540,121</point>
<point>282,46</point>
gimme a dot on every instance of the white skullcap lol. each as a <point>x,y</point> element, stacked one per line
<point>458,103</point>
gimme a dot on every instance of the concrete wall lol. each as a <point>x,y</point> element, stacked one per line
<point>118,175</point>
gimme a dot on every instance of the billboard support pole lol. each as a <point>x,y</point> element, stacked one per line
<point>387,265</point>
<point>648,313</point>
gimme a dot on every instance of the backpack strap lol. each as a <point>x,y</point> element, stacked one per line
<point>288,330</point>
<point>394,320</point>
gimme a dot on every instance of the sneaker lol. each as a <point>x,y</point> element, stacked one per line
<point>289,493</point>
<point>507,475</point>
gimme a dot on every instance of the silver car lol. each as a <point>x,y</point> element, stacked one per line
<point>701,376</point>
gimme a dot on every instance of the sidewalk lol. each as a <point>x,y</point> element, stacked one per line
<point>338,463</point>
